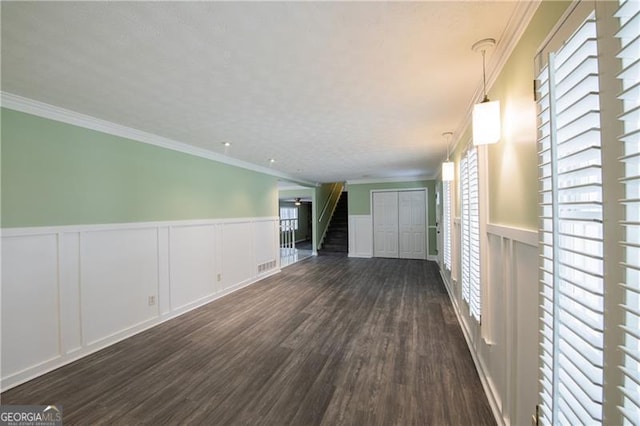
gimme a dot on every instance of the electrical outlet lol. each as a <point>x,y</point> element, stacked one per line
<point>152,300</point>
<point>219,277</point>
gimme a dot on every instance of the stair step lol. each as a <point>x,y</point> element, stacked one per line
<point>336,240</point>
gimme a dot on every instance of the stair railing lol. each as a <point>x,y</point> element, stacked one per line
<point>339,186</point>
<point>287,236</point>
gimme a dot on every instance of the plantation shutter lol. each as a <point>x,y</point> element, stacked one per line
<point>446,223</point>
<point>465,227</point>
<point>629,35</point>
<point>571,232</point>
<point>474,217</point>
<point>471,232</point>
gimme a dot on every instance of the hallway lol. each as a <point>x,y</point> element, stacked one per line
<point>330,340</point>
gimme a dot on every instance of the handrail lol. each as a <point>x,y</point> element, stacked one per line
<point>326,205</point>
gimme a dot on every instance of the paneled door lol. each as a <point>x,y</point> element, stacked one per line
<point>412,224</point>
<point>399,224</point>
<point>385,224</point>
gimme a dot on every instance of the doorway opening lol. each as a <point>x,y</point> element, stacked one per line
<point>295,208</point>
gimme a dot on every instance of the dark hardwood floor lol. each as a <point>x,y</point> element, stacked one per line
<point>330,340</point>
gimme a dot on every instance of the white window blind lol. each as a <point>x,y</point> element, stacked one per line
<point>571,232</point>
<point>629,35</point>
<point>446,223</point>
<point>470,232</point>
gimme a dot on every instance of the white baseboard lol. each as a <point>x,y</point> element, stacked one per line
<point>360,255</point>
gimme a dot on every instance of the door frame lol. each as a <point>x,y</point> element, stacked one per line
<point>426,214</point>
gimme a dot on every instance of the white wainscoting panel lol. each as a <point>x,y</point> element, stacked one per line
<point>69,291</point>
<point>506,354</point>
<point>266,253</point>
<point>238,263</point>
<point>494,314</point>
<point>192,264</point>
<point>525,370</point>
<point>30,320</point>
<point>164,277</point>
<point>360,236</point>
<point>70,316</point>
<point>119,272</point>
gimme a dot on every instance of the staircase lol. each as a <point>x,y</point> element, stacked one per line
<point>336,240</point>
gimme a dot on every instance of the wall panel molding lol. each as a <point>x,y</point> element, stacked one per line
<point>521,235</point>
<point>69,291</point>
<point>360,236</point>
<point>506,363</point>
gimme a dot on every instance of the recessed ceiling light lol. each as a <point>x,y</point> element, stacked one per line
<point>226,143</point>
<point>272,160</point>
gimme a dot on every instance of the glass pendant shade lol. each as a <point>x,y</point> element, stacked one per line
<point>486,123</point>
<point>447,171</point>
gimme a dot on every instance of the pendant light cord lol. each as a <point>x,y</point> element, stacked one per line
<point>482,46</point>
<point>448,136</point>
<point>484,77</point>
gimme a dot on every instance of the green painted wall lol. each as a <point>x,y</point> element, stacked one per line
<point>513,162</point>
<point>58,174</point>
<point>360,202</point>
<point>360,195</point>
<point>513,170</point>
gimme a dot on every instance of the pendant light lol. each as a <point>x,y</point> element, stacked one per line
<point>486,114</point>
<point>448,168</point>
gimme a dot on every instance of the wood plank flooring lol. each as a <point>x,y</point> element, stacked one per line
<point>329,341</point>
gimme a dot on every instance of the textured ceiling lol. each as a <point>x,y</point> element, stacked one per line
<point>333,91</point>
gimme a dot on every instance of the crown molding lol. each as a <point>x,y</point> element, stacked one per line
<point>391,179</point>
<point>507,43</point>
<point>52,112</point>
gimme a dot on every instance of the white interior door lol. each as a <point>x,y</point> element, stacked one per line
<point>412,224</point>
<point>385,224</point>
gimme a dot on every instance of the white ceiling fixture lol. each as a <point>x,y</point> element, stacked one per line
<point>486,114</point>
<point>339,90</point>
<point>448,168</point>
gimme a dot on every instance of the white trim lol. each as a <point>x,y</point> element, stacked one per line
<point>390,180</point>
<point>517,24</point>
<point>52,112</point>
<point>521,235</point>
<point>46,230</point>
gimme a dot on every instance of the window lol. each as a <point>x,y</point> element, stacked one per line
<point>446,223</point>
<point>571,230</point>
<point>470,232</point>
<point>289,218</point>
<point>629,36</point>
